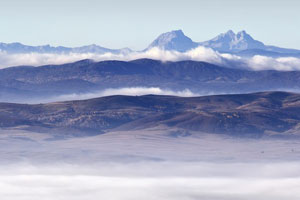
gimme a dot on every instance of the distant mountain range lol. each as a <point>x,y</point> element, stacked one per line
<point>20,48</point>
<point>25,83</point>
<point>240,44</point>
<point>254,115</point>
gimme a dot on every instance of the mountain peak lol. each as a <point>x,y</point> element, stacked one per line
<point>230,33</point>
<point>168,36</point>
<point>231,42</point>
<point>244,35</point>
<point>242,32</point>
<point>174,40</point>
<point>178,32</point>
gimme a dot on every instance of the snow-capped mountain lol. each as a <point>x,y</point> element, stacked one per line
<point>240,43</point>
<point>243,43</point>
<point>231,42</point>
<point>173,41</point>
<point>21,48</point>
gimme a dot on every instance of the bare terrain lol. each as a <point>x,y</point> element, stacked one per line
<point>244,115</point>
<point>36,84</point>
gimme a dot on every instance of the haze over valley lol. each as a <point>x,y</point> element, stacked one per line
<point>149,100</point>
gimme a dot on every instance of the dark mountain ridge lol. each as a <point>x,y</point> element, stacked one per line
<point>27,82</point>
<point>255,114</point>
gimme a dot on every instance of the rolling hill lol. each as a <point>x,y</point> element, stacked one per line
<point>254,115</point>
<point>20,84</point>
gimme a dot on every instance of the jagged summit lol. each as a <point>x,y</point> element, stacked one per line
<point>232,42</point>
<point>229,34</point>
<point>243,35</point>
<point>240,43</point>
<point>174,40</point>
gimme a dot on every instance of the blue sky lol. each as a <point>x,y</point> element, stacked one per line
<point>135,23</point>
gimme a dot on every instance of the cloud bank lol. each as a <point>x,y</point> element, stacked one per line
<point>198,54</point>
<point>130,91</point>
<point>188,182</point>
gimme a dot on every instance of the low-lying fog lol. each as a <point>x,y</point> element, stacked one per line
<point>257,62</point>
<point>152,181</point>
<point>149,165</point>
<point>129,91</point>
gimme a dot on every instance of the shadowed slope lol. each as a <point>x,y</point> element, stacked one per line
<point>19,84</point>
<point>244,114</point>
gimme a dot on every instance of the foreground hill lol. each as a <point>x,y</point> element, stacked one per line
<point>19,83</point>
<point>254,114</point>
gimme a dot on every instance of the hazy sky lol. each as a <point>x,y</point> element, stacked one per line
<point>135,23</point>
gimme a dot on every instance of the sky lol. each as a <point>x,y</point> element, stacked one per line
<point>136,23</point>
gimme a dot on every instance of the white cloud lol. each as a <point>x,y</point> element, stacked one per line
<point>131,91</point>
<point>143,91</point>
<point>198,54</point>
<point>267,63</point>
<point>193,181</point>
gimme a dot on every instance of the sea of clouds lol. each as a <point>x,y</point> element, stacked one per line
<point>198,54</point>
<point>151,181</point>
